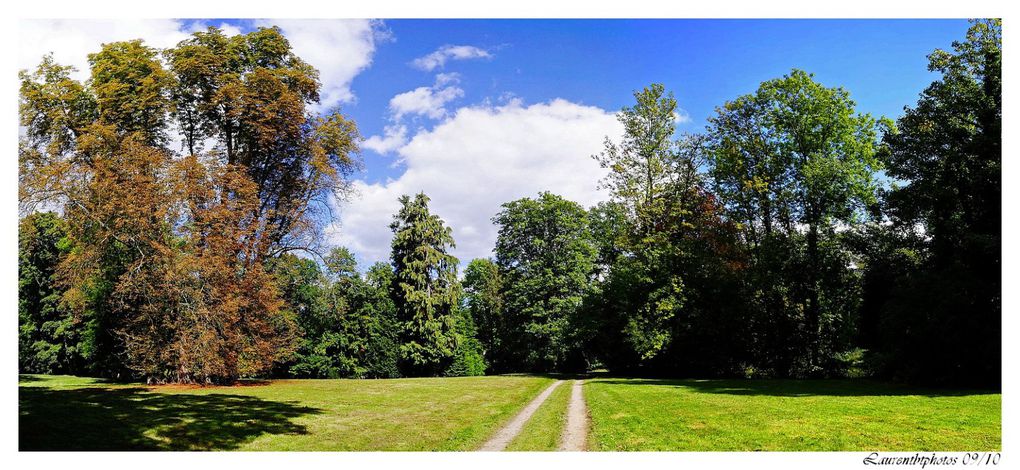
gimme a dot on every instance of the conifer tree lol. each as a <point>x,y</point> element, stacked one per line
<point>424,289</point>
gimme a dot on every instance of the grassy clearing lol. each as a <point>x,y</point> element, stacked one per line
<point>788,415</point>
<point>73,413</point>
<point>542,432</point>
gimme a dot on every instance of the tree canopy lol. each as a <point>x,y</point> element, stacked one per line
<point>173,204</point>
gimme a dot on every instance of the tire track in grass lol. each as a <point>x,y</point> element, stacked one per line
<point>544,430</point>
<point>575,435</point>
<point>503,437</point>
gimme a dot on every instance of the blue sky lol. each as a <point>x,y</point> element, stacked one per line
<point>704,62</point>
<point>480,112</point>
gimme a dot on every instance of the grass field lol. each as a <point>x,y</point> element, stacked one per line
<point>788,415</point>
<point>71,413</point>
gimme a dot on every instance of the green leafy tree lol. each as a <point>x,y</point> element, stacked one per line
<point>794,161</point>
<point>946,159</point>
<point>545,254</point>
<point>49,336</point>
<point>483,300</point>
<point>347,322</point>
<point>303,288</point>
<point>654,182</point>
<point>424,289</point>
<point>380,359</point>
<point>468,356</point>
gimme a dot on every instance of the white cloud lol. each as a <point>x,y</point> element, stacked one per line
<point>340,49</point>
<point>71,41</point>
<point>427,101</point>
<point>445,78</point>
<point>681,116</point>
<point>438,58</point>
<point>422,101</point>
<point>478,159</point>
<point>394,137</point>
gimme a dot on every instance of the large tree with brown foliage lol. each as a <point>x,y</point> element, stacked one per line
<point>168,265</point>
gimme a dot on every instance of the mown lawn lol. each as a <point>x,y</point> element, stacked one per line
<point>788,415</point>
<point>73,413</point>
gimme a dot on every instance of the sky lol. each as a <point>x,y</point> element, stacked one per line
<point>477,113</point>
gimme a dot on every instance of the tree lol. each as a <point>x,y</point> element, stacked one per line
<point>947,157</point>
<point>303,288</point>
<point>249,94</point>
<point>382,352</point>
<point>132,90</point>
<point>48,335</point>
<point>483,300</point>
<point>795,157</point>
<point>168,272</point>
<point>347,322</point>
<point>545,254</point>
<point>213,313</point>
<point>425,290</point>
<point>468,357</point>
<point>75,135</point>
<point>653,180</point>
<point>651,172</point>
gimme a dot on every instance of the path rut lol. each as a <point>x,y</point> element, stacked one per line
<point>502,438</point>
<point>575,435</point>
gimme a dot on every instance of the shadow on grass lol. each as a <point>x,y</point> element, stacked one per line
<point>799,388</point>
<point>134,419</point>
<point>548,375</point>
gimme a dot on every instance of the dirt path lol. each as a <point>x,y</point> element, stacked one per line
<point>575,435</point>
<point>510,431</point>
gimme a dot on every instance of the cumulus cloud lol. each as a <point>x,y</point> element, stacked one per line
<point>340,49</point>
<point>438,58</point>
<point>393,138</point>
<point>479,158</point>
<point>427,101</point>
<point>71,41</point>
<point>422,101</point>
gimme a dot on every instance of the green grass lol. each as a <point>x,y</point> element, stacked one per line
<point>72,413</point>
<point>788,415</point>
<point>542,432</point>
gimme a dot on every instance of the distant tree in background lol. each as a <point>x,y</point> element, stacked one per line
<point>483,300</point>
<point>383,346</point>
<point>346,322</point>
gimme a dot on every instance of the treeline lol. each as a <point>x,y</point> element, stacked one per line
<point>794,237</point>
